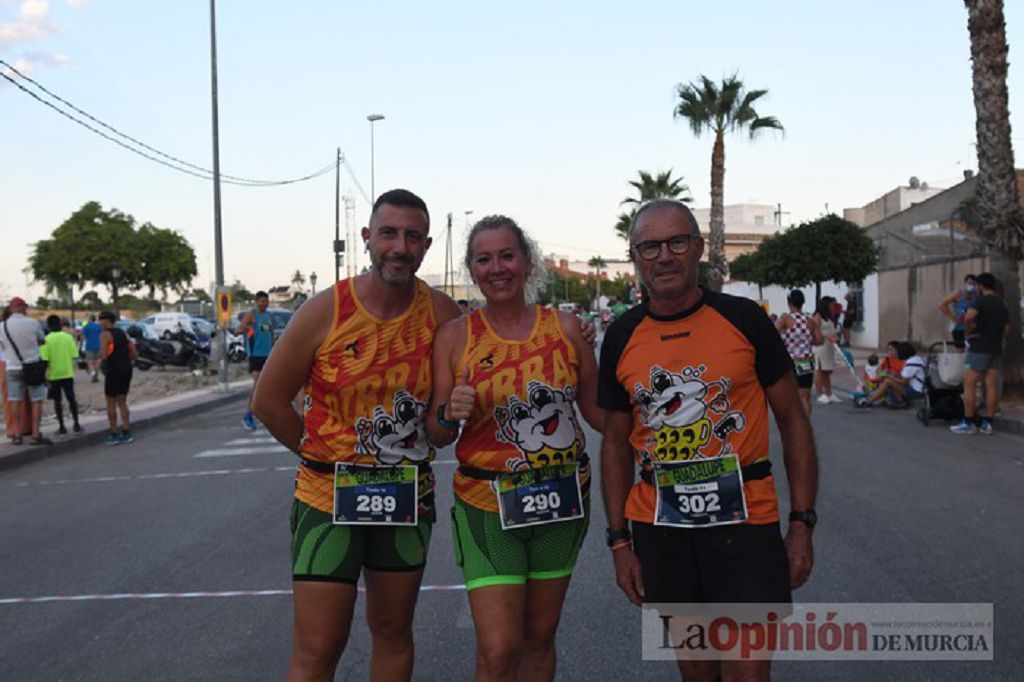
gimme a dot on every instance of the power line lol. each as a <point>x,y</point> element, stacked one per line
<point>199,171</point>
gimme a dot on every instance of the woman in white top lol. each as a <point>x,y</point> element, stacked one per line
<point>910,384</point>
<point>823,338</point>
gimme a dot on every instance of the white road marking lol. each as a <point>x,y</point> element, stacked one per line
<point>122,596</point>
<point>235,452</point>
<point>140,477</point>
<point>250,441</point>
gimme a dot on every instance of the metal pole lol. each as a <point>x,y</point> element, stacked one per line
<point>373,190</point>
<point>222,356</point>
<point>337,212</point>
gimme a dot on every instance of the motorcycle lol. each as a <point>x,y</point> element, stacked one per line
<point>185,349</point>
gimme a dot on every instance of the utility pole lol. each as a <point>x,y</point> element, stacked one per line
<point>350,234</point>
<point>222,355</point>
<point>339,246</point>
<point>448,259</point>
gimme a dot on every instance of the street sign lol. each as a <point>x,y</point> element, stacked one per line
<point>223,308</point>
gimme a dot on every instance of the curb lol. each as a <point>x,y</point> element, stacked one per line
<point>32,453</point>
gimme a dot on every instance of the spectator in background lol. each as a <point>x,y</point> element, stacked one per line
<point>794,327</point>
<point>850,316</point>
<point>955,307</point>
<point>21,338</point>
<point>91,333</point>
<point>986,324</point>
<point>899,389</point>
<point>60,352</point>
<point>13,427</point>
<point>823,334</point>
<point>118,354</point>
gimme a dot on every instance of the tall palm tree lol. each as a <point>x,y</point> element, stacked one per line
<point>648,187</point>
<point>998,198</point>
<point>598,264</point>
<point>720,109</point>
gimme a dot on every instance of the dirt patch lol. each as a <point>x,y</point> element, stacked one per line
<point>146,386</point>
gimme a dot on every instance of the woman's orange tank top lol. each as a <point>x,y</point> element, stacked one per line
<point>524,415</point>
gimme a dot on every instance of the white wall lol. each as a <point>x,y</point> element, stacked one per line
<point>776,298</point>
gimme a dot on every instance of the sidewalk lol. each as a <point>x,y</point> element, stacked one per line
<point>143,416</point>
<point>1011,420</point>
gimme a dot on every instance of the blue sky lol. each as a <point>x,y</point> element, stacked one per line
<point>540,110</point>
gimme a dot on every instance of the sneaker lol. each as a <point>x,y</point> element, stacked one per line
<point>861,402</point>
<point>77,428</point>
<point>112,439</point>
<point>125,437</point>
<point>964,427</point>
<point>834,399</point>
<point>248,422</point>
<point>986,427</point>
<point>823,399</point>
<point>62,431</point>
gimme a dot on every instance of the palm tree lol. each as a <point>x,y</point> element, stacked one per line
<point>648,187</point>
<point>298,279</point>
<point>598,264</point>
<point>720,108</point>
<point>998,199</point>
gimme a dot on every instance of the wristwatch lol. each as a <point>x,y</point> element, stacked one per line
<point>613,535</point>
<point>807,517</point>
<point>445,423</point>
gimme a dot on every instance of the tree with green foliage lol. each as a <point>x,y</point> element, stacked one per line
<point>648,187</point>
<point>298,279</point>
<point>1000,218</point>
<point>598,264</point>
<point>720,109</point>
<point>827,249</point>
<point>167,259</point>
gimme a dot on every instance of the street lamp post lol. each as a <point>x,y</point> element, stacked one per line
<point>115,274</point>
<point>373,118</point>
<point>312,282</point>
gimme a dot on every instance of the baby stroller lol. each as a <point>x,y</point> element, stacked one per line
<point>943,391</point>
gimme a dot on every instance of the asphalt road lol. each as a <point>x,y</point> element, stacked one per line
<point>170,566</point>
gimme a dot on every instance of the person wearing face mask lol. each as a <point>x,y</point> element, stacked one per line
<point>955,307</point>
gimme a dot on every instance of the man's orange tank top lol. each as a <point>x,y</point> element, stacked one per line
<point>524,415</point>
<point>367,393</point>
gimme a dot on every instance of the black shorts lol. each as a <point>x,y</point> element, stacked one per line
<point>805,380</point>
<point>117,381</point>
<point>741,563</point>
<point>256,363</point>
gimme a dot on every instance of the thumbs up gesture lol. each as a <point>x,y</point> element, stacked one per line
<point>462,399</point>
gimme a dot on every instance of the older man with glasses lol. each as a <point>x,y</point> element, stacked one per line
<point>687,379</point>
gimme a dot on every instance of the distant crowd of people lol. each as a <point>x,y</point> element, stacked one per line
<point>38,361</point>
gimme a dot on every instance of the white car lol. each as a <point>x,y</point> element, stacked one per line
<point>167,325</point>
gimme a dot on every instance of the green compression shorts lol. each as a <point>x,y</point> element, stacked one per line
<point>489,555</point>
<point>324,551</point>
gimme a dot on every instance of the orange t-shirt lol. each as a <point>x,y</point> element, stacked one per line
<point>694,383</point>
<point>524,416</point>
<point>367,393</point>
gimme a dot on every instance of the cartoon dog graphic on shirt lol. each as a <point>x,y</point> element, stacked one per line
<point>676,408</point>
<point>544,429</point>
<point>396,437</point>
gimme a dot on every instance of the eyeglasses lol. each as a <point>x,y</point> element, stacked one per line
<point>678,245</point>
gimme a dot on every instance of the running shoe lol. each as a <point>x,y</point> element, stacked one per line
<point>125,437</point>
<point>77,428</point>
<point>861,402</point>
<point>823,399</point>
<point>62,431</point>
<point>964,427</point>
<point>986,427</point>
<point>248,422</point>
<point>834,398</point>
<point>112,439</point>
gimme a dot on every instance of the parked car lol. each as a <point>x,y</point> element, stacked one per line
<point>203,325</point>
<point>167,325</point>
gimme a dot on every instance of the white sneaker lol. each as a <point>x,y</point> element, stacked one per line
<point>823,399</point>
<point>834,399</point>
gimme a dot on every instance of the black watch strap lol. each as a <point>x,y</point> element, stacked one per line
<point>613,535</point>
<point>807,517</point>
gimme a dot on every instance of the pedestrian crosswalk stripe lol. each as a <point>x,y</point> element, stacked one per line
<point>250,441</point>
<point>234,452</point>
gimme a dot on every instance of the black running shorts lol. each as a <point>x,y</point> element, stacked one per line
<point>117,381</point>
<point>256,364</point>
<point>741,563</point>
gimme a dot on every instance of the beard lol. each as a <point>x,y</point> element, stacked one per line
<point>395,276</point>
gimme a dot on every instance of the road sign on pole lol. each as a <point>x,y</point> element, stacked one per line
<point>223,308</point>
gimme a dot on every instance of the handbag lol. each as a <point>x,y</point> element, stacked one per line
<point>32,373</point>
<point>951,367</point>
